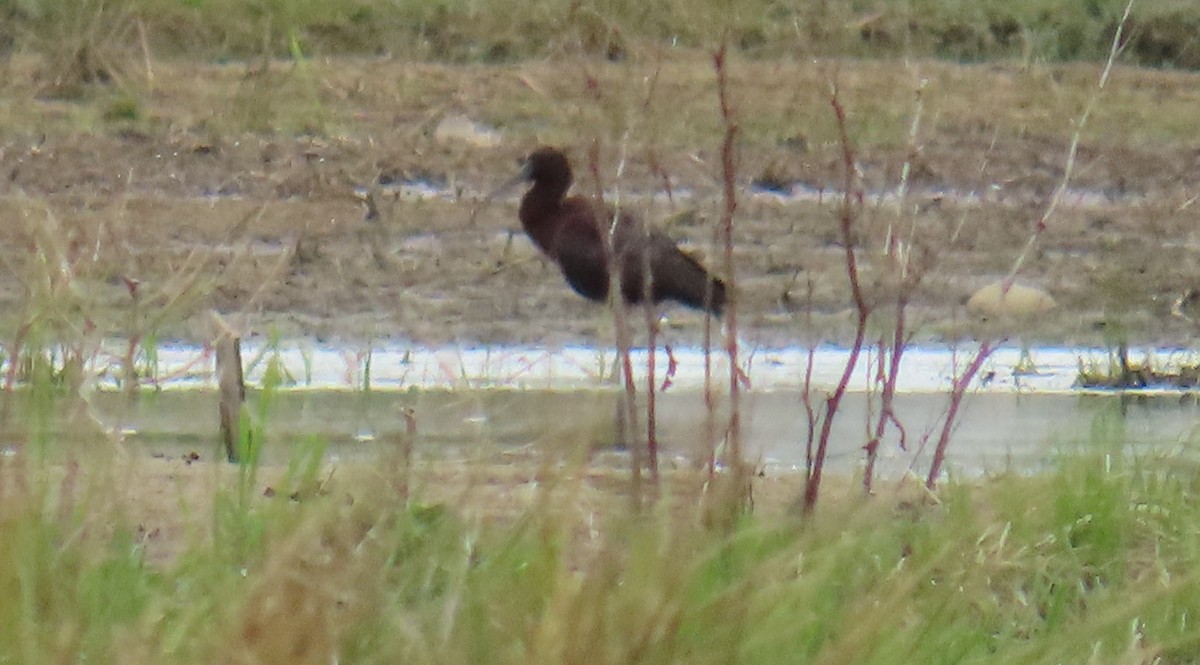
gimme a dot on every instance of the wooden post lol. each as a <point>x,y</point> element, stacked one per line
<point>406,452</point>
<point>231,385</point>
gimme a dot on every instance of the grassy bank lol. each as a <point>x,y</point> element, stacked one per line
<point>1092,561</point>
<point>1164,33</point>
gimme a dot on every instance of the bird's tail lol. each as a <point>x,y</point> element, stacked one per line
<point>688,283</point>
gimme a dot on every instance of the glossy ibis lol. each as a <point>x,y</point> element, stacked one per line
<point>567,229</point>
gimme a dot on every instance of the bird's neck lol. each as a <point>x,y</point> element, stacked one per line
<point>539,208</point>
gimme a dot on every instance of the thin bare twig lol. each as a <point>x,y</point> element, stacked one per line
<point>986,348</point>
<point>852,201</point>
<point>728,176</point>
<point>908,277</point>
<point>1072,152</point>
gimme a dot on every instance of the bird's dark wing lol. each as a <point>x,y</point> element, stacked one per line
<point>679,277</point>
<point>579,252</point>
<point>676,276</point>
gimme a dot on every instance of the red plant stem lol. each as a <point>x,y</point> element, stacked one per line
<point>813,487</point>
<point>710,403</point>
<point>957,392</point>
<point>887,394</point>
<point>651,391</point>
<point>851,200</point>
<point>729,174</point>
<point>649,310</point>
<point>629,424</point>
<point>657,169</point>
<point>130,364</point>
<point>810,413</point>
<point>874,435</point>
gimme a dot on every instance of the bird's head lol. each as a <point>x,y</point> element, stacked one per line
<point>547,166</point>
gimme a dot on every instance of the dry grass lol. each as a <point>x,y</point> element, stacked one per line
<point>546,99</point>
<point>207,148</point>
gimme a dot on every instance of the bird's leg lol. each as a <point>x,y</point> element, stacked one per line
<point>614,373</point>
<point>508,242</point>
<point>721,343</point>
<point>672,367</point>
<point>502,262</point>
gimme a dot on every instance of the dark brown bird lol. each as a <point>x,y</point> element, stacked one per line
<point>568,229</point>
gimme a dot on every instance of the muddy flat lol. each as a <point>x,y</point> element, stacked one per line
<point>346,198</point>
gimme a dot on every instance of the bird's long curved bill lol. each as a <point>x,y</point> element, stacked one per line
<point>507,187</point>
<point>504,189</point>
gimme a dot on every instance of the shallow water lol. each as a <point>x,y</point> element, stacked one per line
<point>487,400</point>
<point>1080,198</point>
<point>994,432</point>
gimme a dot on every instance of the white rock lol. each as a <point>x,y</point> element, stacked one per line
<point>457,127</point>
<point>1019,302</point>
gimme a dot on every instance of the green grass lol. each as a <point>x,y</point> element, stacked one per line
<point>1093,561</point>
<point>91,32</point>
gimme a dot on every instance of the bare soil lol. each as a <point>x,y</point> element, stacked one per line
<point>276,197</point>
